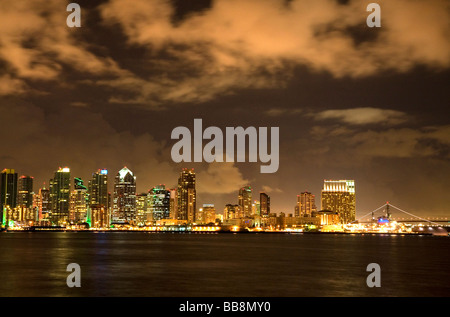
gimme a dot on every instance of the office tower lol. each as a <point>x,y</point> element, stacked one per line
<point>124,210</point>
<point>60,196</point>
<point>256,208</point>
<point>43,204</point>
<point>142,214</point>
<point>297,210</point>
<point>232,212</point>
<point>173,203</point>
<point>99,216</point>
<point>186,196</point>
<point>98,193</point>
<point>339,196</point>
<point>159,200</point>
<point>25,192</point>
<point>245,201</point>
<point>98,188</point>
<point>208,214</point>
<point>79,200</point>
<point>306,203</point>
<point>264,201</point>
<point>8,192</point>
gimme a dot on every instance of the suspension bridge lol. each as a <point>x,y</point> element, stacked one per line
<point>390,213</point>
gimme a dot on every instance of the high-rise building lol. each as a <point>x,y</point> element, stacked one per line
<point>256,208</point>
<point>98,193</point>
<point>98,188</point>
<point>306,203</point>
<point>43,204</point>
<point>264,201</point>
<point>232,212</point>
<point>187,196</point>
<point>8,192</point>
<point>159,203</point>
<point>25,192</point>
<point>173,203</point>
<point>339,196</point>
<point>124,210</point>
<point>245,200</point>
<point>207,214</point>
<point>141,209</point>
<point>99,216</point>
<point>79,200</point>
<point>60,196</point>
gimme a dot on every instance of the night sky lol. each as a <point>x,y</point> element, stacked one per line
<point>351,102</point>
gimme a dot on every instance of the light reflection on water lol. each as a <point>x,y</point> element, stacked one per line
<point>279,265</point>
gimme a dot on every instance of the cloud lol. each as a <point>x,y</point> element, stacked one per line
<point>254,44</point>
<point>9,85</point>
<point>220,178</point>
<point>352,145</point>
<point>231,46</point>
<point>277,112</point>
<point>268,189</point>
<point>363,116</point>
<point>36,45</point>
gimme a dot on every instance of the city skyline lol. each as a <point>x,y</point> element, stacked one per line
<point>124,204</point>
<point>350,101</point>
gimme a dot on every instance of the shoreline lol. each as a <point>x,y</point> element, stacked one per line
<point>230,232</point>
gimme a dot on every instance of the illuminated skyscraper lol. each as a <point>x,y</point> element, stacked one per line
<point>232,212</point>
<point>159,203</point>
<point>187,196</point>
<point>79,201</point>
<point>207,214</point>
<point>142,209</point>
<point>8,192</point>
<point>256,208</point>
<point>306,203</point>
<point>60,196</point>
<point>264,201</point>
<point>245,200</point>
<point>339,196</point>
<point>173,203</point>
<point>25,192</point>
<point>43,204</point>
<point>99,216</point>
<point>98,188</point>
<point>124,210</point>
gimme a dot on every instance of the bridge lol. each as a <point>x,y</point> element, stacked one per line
<point>387,213</point>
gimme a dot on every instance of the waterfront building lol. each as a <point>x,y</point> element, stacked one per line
<point>187,196</point>
<point>8,193</point>
<point>232,212</point>
<point>124,210</point>
<point>98,188</point>
<point>99,216</point>
<point>173,203</point>
<point>339,196</point>
<point>60,196</point>
<point>79,201</point>
<point>142,209</point>
<point>207,214</point>
<point>306,203</point>
<point>43,204</point>
<point>159,202</point>
<point>256,208</point>
<point>25,192</point>
<point>245,201</point>
<point>328,217</point>
<point>264,200</point>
